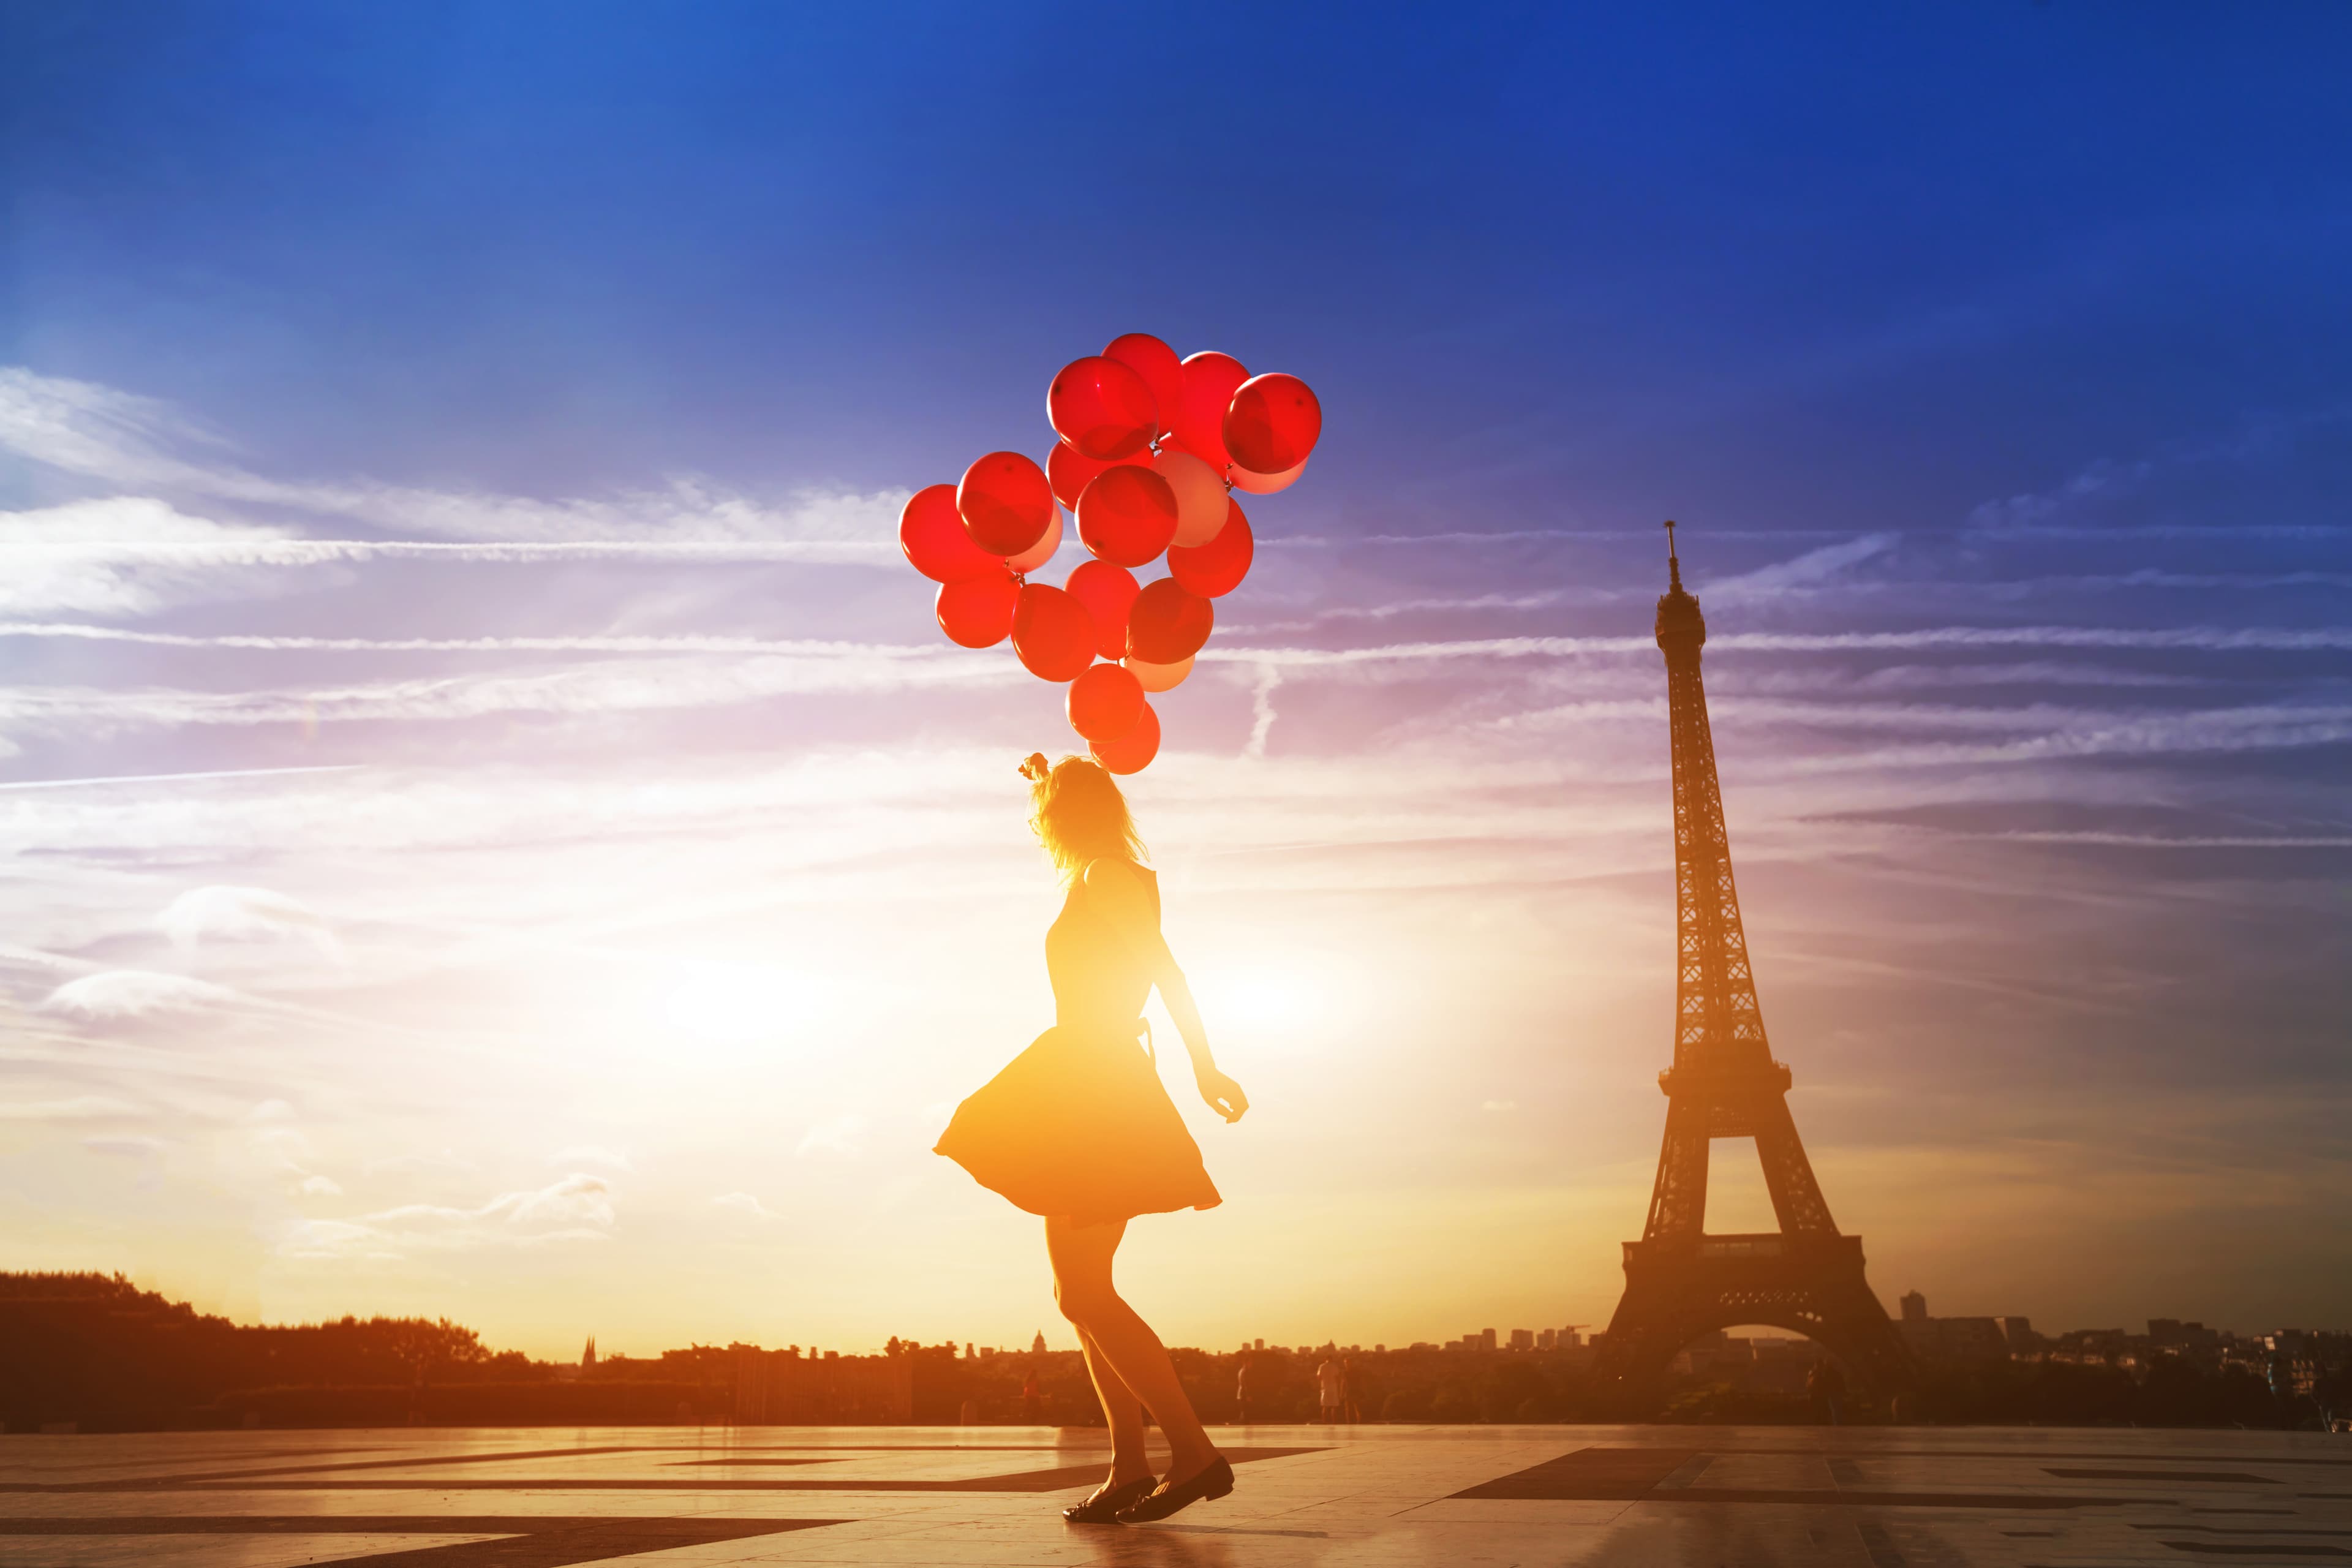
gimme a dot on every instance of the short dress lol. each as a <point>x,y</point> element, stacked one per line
<point>1079,1124</point>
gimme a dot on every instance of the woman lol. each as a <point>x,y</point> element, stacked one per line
<point>1078,1128</point>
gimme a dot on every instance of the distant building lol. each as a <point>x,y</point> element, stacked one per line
<point>1547,1339</point>
<point>1037,1346</point>
<point>588,1356</point>
<point>1486,1339</point>
<point>2174,1334</point>
<point>1951,1340</point>
<point>1523,1339</point>
<point>1259,1344</point>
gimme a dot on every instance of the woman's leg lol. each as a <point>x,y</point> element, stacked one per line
<point>1128,1462</point>
<point>1081,1285</point>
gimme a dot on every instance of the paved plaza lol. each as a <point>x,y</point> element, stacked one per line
<point>1879,1497</point>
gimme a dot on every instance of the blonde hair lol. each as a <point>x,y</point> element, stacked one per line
<point>1079,813</point>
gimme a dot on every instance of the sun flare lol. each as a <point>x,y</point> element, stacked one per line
<point>735,1004</point>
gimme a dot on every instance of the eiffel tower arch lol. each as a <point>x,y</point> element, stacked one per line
<point>1680,1282</point>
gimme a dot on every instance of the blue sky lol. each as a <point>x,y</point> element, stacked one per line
<point>1993,358</point>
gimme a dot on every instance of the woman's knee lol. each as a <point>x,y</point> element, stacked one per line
<point>1083,1301</point>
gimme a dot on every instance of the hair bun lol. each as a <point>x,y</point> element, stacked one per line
<point>1034,767</point>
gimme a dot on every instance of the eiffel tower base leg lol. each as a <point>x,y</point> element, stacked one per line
<point>1678,1290</point>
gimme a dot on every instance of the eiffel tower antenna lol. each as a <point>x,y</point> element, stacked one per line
<point>1681,1282</point>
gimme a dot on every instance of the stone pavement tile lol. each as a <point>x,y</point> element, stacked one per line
<point>206,1551</point>
<point>1486,1510</point>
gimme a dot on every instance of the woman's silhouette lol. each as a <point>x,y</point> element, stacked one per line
<point>1078,1128</point>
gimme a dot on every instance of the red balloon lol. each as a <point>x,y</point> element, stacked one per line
<point>1006,502</point>
<point>1210,380</point>
<point>1133,751</point>
<point>977,611</point>
<point>1069,470</point>
<point>1103,409</point>
<point>1272,422</point>
<point>1052,633</point>
<point>1157,363</point>
<point>1167,623</point>
<point>1106,702</point>
<point>1106,591</point>
<point>931,534</point>
<point>1127,515</point>
<point>1215,568</point>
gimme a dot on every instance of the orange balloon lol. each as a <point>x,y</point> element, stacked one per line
<point>1264,484</point>
<point>977,611</point>
<point>1103,409</point>
<point>1069,470</point>
<point>1157,677</point>
<point>1106,591</point>
<point>1167,623</point>
<point>1201,499</point>
<point>1105,702</point>
<point>1006,502</point>
<point>1133,751</point>
<point>1211,379</point>
<point>1037,554</point>
<point>931,532</point>
<point>1157,363</point>
<point>1127,515</point>
<point>1052,633</point>
<point>1272,422</point>
<point>1217,567</point>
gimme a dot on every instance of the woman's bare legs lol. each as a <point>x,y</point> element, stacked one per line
<point>1123,1410</point>
<point>1082,1286</point>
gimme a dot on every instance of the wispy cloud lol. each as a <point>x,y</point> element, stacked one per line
<point>579,1208</point>
<point>809,647</point>
<point>245,915</point>
<point>2100,478</point>
<point>2177,841</point>
<point>53,560</point>
<point>844,1134</point>
<point>1812,567</point>
<point>98,552</point>
<point>74,1108</point>
<point>744,1206</point>
<point>2208,639</point>
<point>604,687</point>
<point>591,1154</point>
<point>137,444</point>
<point>134,994</point>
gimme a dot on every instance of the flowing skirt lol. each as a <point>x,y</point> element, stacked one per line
<point>1079,1124</point>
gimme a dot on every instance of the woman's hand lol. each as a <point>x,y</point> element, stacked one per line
<point>1223,1095</point>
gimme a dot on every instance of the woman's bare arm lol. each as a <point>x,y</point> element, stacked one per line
<point>1119,894</point>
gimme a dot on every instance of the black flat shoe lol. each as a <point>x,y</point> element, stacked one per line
<point>1213,1481</point>
<point>1107,1500</point>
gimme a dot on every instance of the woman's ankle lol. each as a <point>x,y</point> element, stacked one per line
<point>1183,1464</point>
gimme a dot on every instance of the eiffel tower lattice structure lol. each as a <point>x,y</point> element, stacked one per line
<point>1680,1282</point>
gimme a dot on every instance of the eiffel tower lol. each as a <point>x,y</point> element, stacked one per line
<point>1680,1282</point>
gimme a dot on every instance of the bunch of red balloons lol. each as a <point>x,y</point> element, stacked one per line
<point>1151,448</point>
